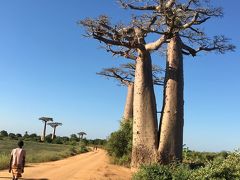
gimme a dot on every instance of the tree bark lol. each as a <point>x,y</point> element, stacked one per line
<point>44,131</point>
<point>171,122</point>
<point>128,110</point>
<point>54,132</point>
<point>144,147</point>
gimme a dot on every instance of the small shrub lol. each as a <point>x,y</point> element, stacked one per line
<point>162,172</point>
<point>4,160</point>
<point>119,144</point>
<point>83,149</point>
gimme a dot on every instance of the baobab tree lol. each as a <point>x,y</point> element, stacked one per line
<point>129,41</point>
<point>186,39</point>
<point>168,19</point>
<point>125,75</point>
<point>54,125</point>
<point>45,120</point>
<point>81,134</point>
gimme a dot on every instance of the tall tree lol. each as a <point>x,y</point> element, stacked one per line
<point>81,134</point>
<point>54,125</point>
<point>125,75</point>
<point>130,42</point>
<point>182,18</point>
<point>168,19</point>
<point>45,120</point>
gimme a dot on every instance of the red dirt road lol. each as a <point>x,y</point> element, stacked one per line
<point>88,166</point>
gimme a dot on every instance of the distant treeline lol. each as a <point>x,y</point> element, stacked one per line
<point>73,139</point>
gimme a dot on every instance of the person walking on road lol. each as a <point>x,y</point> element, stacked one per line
<point>17,161</point>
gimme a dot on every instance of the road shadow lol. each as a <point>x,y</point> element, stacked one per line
<point>25,178</point>
<point>34,178</point>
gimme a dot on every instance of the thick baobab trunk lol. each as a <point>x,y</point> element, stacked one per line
<point>144,145</point>
<point>44,131</point>
<point>171,122</point>
<point>128,110</point>
<point>54,132</point>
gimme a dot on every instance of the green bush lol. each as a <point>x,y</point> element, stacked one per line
<point>219,166</point>
<point>83,149</point>
<point>4,133</point>
<point>228,168</point>
<point>119,144</point>
<point>162,172</point>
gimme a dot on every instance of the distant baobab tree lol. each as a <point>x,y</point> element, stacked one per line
<point>125,75</point>
<point>54,125</point>
<point>81,135</point>
<point>45,120</point>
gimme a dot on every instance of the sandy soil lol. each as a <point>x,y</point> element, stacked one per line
<point>88,166</point>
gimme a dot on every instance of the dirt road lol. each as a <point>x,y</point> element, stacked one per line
<point>88,166</point>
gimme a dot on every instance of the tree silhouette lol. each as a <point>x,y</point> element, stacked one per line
<point>45,120</point>
<point>54,125</point>
<point>81,134</point>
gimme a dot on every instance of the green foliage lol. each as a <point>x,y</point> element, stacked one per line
<point>73,137</point>
<point>162,172</point>
<point>119,145</point>
<point>83,149</point>
<point>48,138</point>
<point>215,166</point>
<point>199,159</point>
<point>218,169</point>
<point>57,140</point>
<point>12,136</point>
<point>3,133</point>
<point>100,142</point>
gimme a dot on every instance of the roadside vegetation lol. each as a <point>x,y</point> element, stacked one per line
<point>196,165</point>
<point>50,150</point>
<point>119,144</point>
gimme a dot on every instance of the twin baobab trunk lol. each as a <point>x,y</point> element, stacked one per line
<point>171,122</point>
<point>128,110</point>
<point>144,113</point>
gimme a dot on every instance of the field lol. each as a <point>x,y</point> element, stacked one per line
<point>36,152</point>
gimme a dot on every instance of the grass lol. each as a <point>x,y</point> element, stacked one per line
<point>37,152</point>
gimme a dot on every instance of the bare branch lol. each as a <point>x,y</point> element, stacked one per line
<point>193,21</point>
<point>126,72</point>
<point>219,44</point>
<point>131,6</point>
<point>119,74</point>
<point>116,35</point>
<point>155,45</point>
<point>189,49</point>
<point>126,53</point>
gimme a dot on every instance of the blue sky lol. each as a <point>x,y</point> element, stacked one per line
<point>48,69</point>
